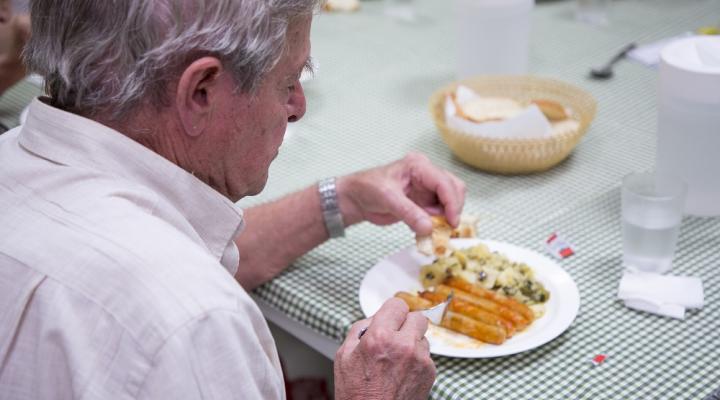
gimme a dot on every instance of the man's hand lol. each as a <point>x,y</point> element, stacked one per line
<point>407,190</point>
<point>390,361</point>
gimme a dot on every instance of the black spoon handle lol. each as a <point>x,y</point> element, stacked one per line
<point>620,54</point>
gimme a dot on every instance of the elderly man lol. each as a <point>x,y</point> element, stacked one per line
<point>119,235</point>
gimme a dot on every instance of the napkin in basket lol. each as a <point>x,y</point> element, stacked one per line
<point>659,294</point>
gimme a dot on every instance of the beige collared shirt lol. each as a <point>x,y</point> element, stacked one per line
<point>116,274</point>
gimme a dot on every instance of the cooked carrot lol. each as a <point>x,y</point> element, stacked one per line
<point>480,291</point>
<point>414,302</point>
<point>517,319</point>
<point>473,328</point>
<point>469,310</point>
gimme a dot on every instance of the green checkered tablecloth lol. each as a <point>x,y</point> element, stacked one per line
<point>15,99</point>
<point>368,106</point>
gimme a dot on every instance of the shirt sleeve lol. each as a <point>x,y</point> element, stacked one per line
<point>216,356</point>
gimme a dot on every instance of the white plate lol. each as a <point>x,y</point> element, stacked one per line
<point>401,272</point>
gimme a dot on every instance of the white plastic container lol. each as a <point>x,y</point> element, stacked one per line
<point>689,120</point>
<point>493,36</point>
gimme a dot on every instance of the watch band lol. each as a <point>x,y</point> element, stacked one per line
<point>330,208</point>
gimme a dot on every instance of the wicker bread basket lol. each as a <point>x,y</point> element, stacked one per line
<point>516,156</point>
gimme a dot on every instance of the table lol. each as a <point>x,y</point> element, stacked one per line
<point>16,98</point>
<point>368,106</point>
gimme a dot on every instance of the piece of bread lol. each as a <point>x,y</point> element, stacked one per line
<point>438,242</point>
<point>467,227</point>
<point>552,110</point>
<point>485,109</point>
<point>341,5</point>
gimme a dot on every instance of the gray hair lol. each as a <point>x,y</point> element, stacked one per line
<point>111,56</point>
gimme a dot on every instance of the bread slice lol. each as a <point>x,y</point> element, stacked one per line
<point>467,227</point>
<point>438,242</point>
<point>484,109</point>
<point>553,110</point>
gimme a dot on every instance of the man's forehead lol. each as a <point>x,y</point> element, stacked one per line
<point>298,42</point>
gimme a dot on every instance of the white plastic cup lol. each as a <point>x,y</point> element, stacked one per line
<point>652,213</point>
<point>493,36</point>
<point>689,120</point>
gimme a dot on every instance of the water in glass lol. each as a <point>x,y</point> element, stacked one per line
<point>649,240</point>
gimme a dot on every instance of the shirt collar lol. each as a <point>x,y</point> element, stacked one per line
<point>70,139</point>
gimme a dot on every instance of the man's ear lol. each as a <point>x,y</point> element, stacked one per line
<point>197,91</point>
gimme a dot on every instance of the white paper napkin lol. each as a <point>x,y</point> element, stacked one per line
<point>661,294</point>
<point>649,54</point>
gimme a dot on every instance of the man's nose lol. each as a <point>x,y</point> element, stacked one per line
<point>296,104</point>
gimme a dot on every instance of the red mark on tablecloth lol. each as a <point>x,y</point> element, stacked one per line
<point>599,359</point>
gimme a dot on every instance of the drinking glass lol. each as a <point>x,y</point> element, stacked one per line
<point>652,212</point>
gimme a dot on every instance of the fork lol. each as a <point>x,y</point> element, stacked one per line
<point>436,313</point>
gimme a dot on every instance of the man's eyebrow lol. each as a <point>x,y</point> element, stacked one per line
<point>308,66</point>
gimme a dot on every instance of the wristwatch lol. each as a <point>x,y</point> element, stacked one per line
<point>330,208</point>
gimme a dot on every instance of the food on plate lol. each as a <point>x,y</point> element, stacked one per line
<point>473,328</point>
<point>438,242</point>
<point>514,317</point>
<point>479,291</point>
<point>341,5</point>
<point>553,110</point>
<point>490,270</point>
<point>493,297</point>
<point>472,311</point>
<point>457,318</point>
<point>415,303</point>
<point>467,227</point>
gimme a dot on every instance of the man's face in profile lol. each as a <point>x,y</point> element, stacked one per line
<point>248,130</point>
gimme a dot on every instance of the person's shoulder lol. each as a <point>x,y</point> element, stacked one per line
<point>165,271</point>
<point>113,245</point>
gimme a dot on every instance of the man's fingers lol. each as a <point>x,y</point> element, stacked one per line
<point>353,337</point>
<point>440,183</point>
<point>415,326</point>
<point>424,345</point>
<point>406,210</point>
<point>357,327</point>
<point>390,316</point>
<point>459,188</point>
